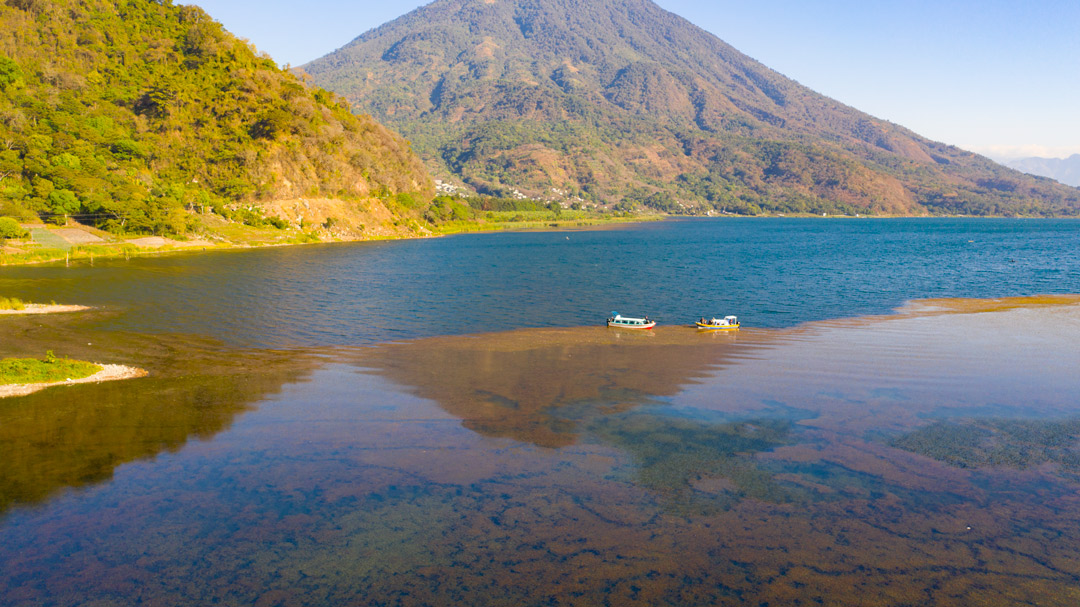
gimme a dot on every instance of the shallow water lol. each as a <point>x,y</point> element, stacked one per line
<point>929,456</point>
<point>573,466</point>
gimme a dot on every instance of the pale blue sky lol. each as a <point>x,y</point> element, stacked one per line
<point>994,76</point>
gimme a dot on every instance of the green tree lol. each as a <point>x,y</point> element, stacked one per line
<point>10,74</point>
<point>32,6</point>
<point>10,164</point>
<point>127,149</point>
<point>270,125</point>
<point>63,202</point>
<point>155,102</point>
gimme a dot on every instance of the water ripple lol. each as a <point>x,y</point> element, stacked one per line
<point>773,273</point>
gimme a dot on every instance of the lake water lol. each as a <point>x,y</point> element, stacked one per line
<point>445,422</point>
<point>773,273</point>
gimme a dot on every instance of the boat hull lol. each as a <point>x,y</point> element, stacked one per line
<point>645,326</point>
<point>708,327</point>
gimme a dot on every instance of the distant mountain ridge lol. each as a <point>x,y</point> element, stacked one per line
<point>1065,170</point>
<point>620,100</point>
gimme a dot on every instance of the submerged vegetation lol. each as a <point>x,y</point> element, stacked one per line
<point>694,465</point>
<point>49,369</point>
<point>1013,443</point>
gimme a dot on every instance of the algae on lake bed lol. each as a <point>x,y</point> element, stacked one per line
<point>695,465</point>
<point>1011,443</point>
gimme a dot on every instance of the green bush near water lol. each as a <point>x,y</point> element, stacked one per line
<point>51,369</point>
<point>13,303</point>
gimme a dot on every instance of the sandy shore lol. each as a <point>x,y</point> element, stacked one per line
<point>108,373</point>
<point>45,309</point>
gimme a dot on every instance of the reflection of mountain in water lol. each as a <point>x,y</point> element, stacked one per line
<point>553,388</point>
<point>76,436</point>
<point>538,386</point>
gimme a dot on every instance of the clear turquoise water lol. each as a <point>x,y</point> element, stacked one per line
<point>772,273</point>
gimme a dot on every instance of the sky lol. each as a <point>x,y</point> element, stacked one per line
<point>997,77</point>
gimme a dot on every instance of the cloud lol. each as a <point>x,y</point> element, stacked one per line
<point>1012,152</point>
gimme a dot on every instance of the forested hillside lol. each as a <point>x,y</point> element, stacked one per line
<point>619,101</point>
<point>131,114</point>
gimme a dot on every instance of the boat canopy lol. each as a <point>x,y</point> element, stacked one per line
<point>727,321</point>
<point>618,320</point>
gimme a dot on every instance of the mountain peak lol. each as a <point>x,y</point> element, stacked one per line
<point>622,101</point>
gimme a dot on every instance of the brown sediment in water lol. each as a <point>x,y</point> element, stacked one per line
<point>929,307</point>
<point>926,308</point>
<point>107,373</point>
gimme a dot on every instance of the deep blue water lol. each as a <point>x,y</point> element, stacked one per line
<point>770,272</point>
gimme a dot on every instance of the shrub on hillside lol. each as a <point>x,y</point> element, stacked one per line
<point>9,228</point>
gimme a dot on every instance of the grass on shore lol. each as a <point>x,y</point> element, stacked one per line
<point>82,253</point>
<point>537,220</point>
<point>45,254</point>
<point>236,235</point>
<point>51,369</point>
<point>14,303</point>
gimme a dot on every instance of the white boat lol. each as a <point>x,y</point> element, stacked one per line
<point>727,323</point>
<point>625,322</point>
